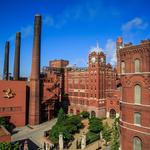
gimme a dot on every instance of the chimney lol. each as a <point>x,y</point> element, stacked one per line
<point>17,57</point>
<point>6,62</point>
<point>35,72</point>
<point>34,104</point>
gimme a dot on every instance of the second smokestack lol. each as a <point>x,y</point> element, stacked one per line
<point>17,57</point>
<point>6,62</point>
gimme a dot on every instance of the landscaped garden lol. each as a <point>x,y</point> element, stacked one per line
<point>72,127</point>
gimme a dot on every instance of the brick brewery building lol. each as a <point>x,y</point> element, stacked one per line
<point>133,67</point>
<point>97,88</point>
<point>88,88</point>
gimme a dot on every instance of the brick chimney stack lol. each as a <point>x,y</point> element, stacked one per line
<point>34,104</point>
<point>17,57</point>
<point>6,62</point>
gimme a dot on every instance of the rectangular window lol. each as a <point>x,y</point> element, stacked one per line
<point>137,118</point>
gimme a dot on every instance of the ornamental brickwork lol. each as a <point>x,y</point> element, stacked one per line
<point>88,88</point>
<point>134,72</point>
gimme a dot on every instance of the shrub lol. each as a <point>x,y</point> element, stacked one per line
<point>115,135</point>
<point>92,137</point>
<point>106,133</point>
<point>65,125</point>
<point>8,146</point>
<point>95,125</point>
<point>61,116</point>
<point>85,114</point>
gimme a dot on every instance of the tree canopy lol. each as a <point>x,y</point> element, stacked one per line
<point>67,125</point>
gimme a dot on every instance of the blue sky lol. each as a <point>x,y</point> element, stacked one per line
<point>71,27</point>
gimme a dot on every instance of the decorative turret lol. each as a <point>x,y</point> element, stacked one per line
<point>119,43</point>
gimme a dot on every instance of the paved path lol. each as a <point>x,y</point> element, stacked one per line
<point>34,133</point>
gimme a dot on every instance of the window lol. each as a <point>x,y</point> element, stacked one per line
<point>137,118</point>
<point>137,94</point>
<point>137,65</point>
<point>122,67</point>
<point>137,143</point>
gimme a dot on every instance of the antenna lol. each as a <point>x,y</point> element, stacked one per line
<point>97,44</point>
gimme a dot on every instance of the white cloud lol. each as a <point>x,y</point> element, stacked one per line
<point>110,49</point>
<point>133,28</point>
<point>48,20</point>
<point>76,12</point>
<point>25,32</point>
<point>136,23</point>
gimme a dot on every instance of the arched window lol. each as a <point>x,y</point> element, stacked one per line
<point>137,118</point>
<point>137,143</point>
<point>122,67</point>
<point>137,94</point>
<point>137,65</point>
<point>93,114</point>
<point>112,113</point>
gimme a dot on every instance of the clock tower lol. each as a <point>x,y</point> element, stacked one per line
<point>96,69</point>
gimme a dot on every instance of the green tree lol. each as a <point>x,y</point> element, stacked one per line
<point>106,133</point>
<point>115,145</point>
<point>95,125</point>
<point>115,135</point>
<point>5,123</point>
<point>85,114</point>
<point>8,146</point>
<point>74,120</point>
<point>61,116</point>
<point>66,125</point>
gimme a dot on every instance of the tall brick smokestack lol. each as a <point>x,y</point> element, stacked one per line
<point>6,62</point>
<point>34,110</point>
<point>17,57</point>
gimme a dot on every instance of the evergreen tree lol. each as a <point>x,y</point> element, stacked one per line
<point>115,135</point>
<point>61,116</point>
<point>106,133</point>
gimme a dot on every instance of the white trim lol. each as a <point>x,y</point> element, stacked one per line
<point>135,124</point>
<point>135,104</point>
<point>134,73</point>
<point>135,130</point>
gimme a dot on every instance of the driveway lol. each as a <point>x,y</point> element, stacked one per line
<point>34,133</point>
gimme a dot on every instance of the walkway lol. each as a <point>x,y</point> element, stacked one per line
<point>34,133</point>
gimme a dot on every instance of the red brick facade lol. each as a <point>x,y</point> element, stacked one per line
<point>13,101</point>
<point>51,87</point>
<point>134,71</point>
<point>88,88</point>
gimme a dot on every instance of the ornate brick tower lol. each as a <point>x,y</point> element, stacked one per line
<point>34,104</point>
<point>6,62</point>
<point>134,72</point>
<point>17,57</point>
<point>97,62</point>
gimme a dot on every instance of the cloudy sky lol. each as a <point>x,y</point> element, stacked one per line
<point>71,28</point>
